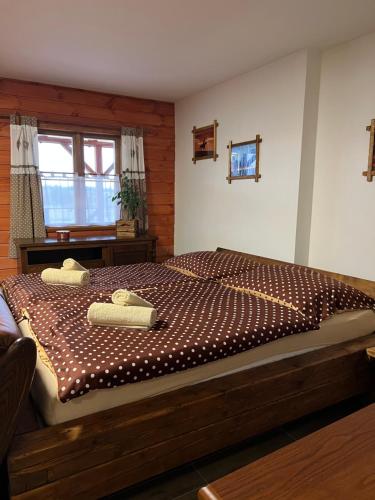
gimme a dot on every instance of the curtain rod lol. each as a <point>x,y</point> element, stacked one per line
<point>6,116</point>
<point>46,123</point>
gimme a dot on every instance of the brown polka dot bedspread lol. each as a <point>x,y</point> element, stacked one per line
<point>316,295</point>
<point>200,319</point>
<point>211,265</point>
<point>25,289</point>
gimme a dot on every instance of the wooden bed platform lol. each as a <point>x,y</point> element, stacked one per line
<point>105,452</point>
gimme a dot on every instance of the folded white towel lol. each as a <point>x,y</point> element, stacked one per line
<point>104,314</point>
<point>54,276</point>
<point>73,265</point>
<point>123,297</point>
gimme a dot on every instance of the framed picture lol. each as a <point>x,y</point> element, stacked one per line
<point>244,160</point>
<point>370,172</point>
<point>204,142</point>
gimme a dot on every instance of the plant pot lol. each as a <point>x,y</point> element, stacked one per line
<point>127,228</point>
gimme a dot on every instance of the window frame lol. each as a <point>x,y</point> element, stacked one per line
<point>79,166</point>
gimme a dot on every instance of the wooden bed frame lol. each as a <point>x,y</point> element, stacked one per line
<point>102,453</point>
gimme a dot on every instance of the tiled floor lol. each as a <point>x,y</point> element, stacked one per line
<point>183,483</point>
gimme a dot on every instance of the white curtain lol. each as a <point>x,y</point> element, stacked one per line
<point>26,203</point>
<point>133,166</point>
<point>71,200</point>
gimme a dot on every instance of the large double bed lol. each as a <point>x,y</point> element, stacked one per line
<point>242,344</point>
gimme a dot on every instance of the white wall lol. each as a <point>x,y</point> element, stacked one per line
<point>312,204</point>
<point>343,229</point>
<point>260,218</point>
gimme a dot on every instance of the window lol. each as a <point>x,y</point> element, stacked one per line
<point>79,176</point>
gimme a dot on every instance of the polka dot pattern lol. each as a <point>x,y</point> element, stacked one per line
<point>25,289</point>
<point>200,319</point>
<point>211,265</point>
<point>316,295</point>
<point>198,322</point>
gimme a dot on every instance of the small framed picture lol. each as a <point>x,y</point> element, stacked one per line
<point>244,160</point>
<point>370,172</point>
<point>204,142</point>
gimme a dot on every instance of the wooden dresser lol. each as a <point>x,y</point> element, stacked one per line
<point>34,255</point>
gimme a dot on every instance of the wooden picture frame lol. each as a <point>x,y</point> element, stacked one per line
<point>243,160</point>
<point>204,142</point>
<point>370,172</point>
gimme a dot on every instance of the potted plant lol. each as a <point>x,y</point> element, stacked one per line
<point>130,200</point>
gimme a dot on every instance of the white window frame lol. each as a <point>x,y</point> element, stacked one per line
<point>79,165</point>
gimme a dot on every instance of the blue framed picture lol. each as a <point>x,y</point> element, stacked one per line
<point>244,160</point>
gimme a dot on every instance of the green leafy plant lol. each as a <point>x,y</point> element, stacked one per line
<point>128,197</point>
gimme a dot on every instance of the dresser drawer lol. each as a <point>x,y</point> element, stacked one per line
<point>131,254</point>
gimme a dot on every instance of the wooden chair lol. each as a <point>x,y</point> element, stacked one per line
<point>17,367</point>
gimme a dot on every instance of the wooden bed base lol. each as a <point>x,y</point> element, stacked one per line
<point>99,454</point>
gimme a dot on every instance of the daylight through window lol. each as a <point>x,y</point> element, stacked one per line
<point>79,175</point>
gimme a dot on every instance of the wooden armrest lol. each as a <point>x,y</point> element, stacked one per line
<point>9,331</point>
<point>17,367</point>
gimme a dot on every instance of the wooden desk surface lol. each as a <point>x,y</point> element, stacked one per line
<point>82,240</point>
<point>335,463</point>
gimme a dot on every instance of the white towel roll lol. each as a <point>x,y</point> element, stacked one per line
<point>54,276</point>
<point>73,265</point>
<point>104,314</point>
<point>123,297</point>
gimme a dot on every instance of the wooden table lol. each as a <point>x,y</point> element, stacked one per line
<point>336,463</point>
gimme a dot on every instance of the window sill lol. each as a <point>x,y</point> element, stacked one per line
<point>73,229</point>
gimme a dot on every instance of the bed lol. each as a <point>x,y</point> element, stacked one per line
<point>124,434</point>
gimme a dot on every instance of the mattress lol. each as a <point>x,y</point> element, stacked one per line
<point>338,328</point>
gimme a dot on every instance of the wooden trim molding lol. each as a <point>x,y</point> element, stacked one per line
<point>83,129</point>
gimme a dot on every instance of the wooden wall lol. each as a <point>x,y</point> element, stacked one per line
<point>62,105</point>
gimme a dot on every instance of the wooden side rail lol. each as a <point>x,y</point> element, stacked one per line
<point>105,452</point>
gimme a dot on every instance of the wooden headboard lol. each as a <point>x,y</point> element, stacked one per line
<point>366,286</point>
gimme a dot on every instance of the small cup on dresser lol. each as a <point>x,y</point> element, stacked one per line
<point>63,235</point>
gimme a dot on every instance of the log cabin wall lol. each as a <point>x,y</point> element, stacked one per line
<point>62,105</point>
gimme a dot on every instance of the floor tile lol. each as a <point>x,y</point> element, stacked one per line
<point>169,486</point>
<point>319,419</point>
<point>226,461</point>
<point>191,495</point>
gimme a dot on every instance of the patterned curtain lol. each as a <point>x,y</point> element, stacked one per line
<point>26,205</point>
<point>133,166</point>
